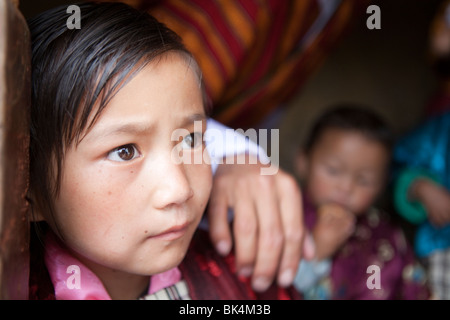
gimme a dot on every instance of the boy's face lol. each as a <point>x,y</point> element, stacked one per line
<point>125,205</point>
<point>346,168</point>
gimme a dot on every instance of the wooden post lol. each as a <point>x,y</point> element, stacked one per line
<point>14,141</point>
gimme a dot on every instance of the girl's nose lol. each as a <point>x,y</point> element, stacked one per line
<point>173,187</point>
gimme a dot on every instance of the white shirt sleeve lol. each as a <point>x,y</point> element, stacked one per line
<point>222,141</point>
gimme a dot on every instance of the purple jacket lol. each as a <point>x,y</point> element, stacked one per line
<point>376,263</point>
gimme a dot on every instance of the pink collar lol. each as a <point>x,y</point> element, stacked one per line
<point>74,281</point>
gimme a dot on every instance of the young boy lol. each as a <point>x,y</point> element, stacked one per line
<point>344,167</point>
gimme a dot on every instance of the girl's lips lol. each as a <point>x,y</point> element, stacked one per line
<point>172,233</point>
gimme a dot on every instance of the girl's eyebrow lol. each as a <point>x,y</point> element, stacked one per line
<point>192,118</point>
<point>134,128</point>
<point>139,128</point>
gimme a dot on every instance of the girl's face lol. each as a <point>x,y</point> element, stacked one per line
<point>125,205</point>
<point>346,168</point>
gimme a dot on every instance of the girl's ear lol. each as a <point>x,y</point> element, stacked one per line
<point>301,165</point>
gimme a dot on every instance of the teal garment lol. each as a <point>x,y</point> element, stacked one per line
<point>424,152</point>
<point>430,238</point>
<point>427,148</point>
<point>411,210</point>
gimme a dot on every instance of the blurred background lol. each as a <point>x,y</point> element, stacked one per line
<point>386,69</point>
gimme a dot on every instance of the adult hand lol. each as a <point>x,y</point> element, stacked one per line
<point>267,228</point>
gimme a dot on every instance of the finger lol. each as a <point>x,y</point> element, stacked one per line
<point>219,227</point>
<point>441,218</point>
<point>435,219</point>
<point>245,229</point>
<point>447,212</point>
<point>291,210</point>
<point>270,237</point>
<point>434,215</point>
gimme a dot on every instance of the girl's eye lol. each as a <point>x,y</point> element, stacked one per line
<point>124,153</point>
<point>192,140</point>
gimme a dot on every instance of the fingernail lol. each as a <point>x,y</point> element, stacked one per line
<point>261,284</point>
<point>223,247</point>
<point>246,272</point>
<point>286,278</point>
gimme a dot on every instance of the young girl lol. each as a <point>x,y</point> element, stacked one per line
<point>344,167</point>
<point>120,197</point>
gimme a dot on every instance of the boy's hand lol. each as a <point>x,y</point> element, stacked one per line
<point>435,199</point>
<point>333,227</point>
<point>268,228</point>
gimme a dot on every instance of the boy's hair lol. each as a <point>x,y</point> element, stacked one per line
<point>73,69</point>
<point>351,118</point>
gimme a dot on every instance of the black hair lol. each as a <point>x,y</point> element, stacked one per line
<point>73,69</point>
<point>441,66</point>
<point>351,117</point>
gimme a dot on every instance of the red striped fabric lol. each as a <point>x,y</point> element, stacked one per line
<point>249,49</point>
